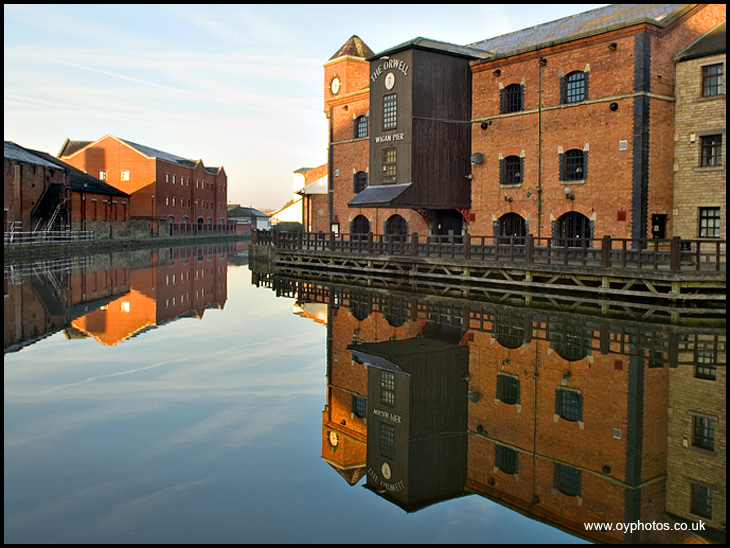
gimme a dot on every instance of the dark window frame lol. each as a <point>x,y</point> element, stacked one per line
<point>512,99</point>
<point>711,150</point>
<point>390,111</point>
<point>709,222</point>
<point>575,87</point>
<point>361,127</point>
<point>703,432</point>
<point>569,404</point>
<point>574,164</point>
<point>712,80</point>
<point>511,170</point>
<point>359,181</point>
<point>390,159</point>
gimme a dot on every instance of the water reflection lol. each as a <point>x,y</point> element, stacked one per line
<point>212,430</point>
<point>112,297</point>
<point>567,419</point>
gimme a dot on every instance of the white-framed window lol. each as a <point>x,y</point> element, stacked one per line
<point>125,175</point>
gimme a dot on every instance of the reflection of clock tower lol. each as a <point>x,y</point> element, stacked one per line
<point>347,104</point>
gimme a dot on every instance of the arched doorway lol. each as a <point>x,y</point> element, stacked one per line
<point>512,225</point>
<point>573,229</point>
<point>397,227</point>
<point>360,227</point>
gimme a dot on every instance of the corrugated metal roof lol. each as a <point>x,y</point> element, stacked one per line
<point>582,24</point>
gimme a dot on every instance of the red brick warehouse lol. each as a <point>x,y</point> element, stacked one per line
<point>561,130</point>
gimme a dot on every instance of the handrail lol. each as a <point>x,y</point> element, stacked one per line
<point>673,254</point>
<point>44,237</point>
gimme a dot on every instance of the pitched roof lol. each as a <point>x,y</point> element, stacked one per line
<point>591,22</point>
<point>354,47</point>
<point>77,179</point>
<point>14,151</point>
<point>239,211</point>
<point>711,43</point>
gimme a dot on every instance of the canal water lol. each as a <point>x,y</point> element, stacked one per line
<point>175,396</point>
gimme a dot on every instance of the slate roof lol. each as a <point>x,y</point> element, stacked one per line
<point>16,152</point>
<point>435,45</point>
<point>576,26</point>
<point>712,43</point>
<point>241,212</point>
<point>378,195</point>
<point>70,147</point>
<point>354,47</point>
<point>78,180</point>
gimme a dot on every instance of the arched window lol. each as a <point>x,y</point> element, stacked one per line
<point>360,225</point>
<point>575,87</point>
<point>573,165</point>
<point>360,181</point>
<point>511,98</point>
<point>510,170</point>
<point>396,226</point>
<point>512,225</point>
<point>573,229</point>
<point>361,127</point>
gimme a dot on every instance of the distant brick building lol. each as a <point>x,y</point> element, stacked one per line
<point>45,193</point>
<point>699,148</point>
<point>163,186</point>
<point>564,130</point>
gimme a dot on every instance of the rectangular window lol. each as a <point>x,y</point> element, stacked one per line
<point>704,433</point>
<point>505,459</point>
<point>387,440</point>
<point>701,500</point>
<point>125,176</point>
<point>567,480</point>
<point>712,80</point>
<point>705,365</point>
<point>390,111</point>
<point>569,404</point>
<point>709,222</point>
<point>102,175</point>
<point>575,87</point>
<point>711,151</point>
<point>387,388</point>
<point>389,164</point>
<point>508,389</point>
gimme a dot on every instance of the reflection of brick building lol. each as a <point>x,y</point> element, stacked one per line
<point>565,419</point>
<point>192,281</point>
<point>569,128</point>
<point>161,185</point>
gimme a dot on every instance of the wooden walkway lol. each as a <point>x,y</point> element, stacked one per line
<point>659,280</point>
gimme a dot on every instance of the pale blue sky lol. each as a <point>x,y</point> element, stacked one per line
<point>237,85</point>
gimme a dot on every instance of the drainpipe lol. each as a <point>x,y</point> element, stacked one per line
<point>542,63</point>
<point>330,173</point>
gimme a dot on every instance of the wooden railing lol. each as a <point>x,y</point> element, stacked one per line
<point>669,254</point>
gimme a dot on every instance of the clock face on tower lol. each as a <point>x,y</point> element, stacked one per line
<point>335,85</point>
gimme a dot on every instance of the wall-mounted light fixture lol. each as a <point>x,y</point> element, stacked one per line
<point>543,61</point>
<point>477,158</point>
<point>613,106</point>
<point>486,124</point>
<point>508,198</point>
<point>612,46</point>
<point>569,193</point>
<point>497,72</point>
<point>564,380</point>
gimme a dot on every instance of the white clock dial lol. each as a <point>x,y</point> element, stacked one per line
<point>389,80</point>
<point>335,85</point>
